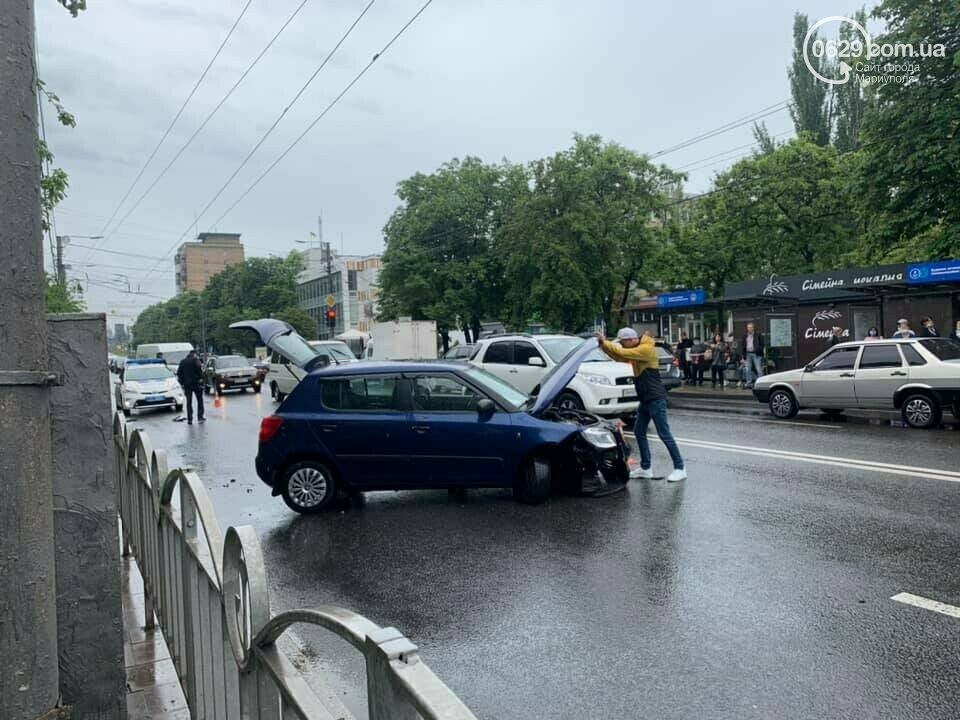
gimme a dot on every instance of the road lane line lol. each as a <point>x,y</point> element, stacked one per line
<point>927,604</point>
<point>907,471</point>
<point>871,463</point>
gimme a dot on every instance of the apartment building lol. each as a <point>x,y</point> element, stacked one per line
<point>198,261</point>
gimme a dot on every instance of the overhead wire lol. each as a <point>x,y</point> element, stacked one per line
<point>175,118</point>
<point>303,134</point>
<point>725,128</point>
<point>206,120</point>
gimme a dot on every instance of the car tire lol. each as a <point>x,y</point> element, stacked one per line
<point>921,411</point>
<point>783,405</point>
<point>243,389</point>
<point>276,394</point>
<point>533,485</point>
<point>568,401</point>
<point>308,487</point>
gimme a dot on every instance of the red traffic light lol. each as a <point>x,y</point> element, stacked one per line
<point>331,314</point>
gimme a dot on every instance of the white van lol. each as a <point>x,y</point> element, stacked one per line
<point>173,352</point>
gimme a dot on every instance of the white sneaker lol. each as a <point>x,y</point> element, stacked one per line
<point>677,475</point>
<point>638,473</point>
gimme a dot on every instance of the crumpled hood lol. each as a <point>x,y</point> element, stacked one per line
<point>560,376</point>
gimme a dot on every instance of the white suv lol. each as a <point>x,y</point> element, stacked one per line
<point>601,386</point>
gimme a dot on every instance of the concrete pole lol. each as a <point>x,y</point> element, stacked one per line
<point>61,271</point>
<point>29,676</point>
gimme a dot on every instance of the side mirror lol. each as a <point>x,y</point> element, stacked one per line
<point>536,361</point>
<point>808,368</point>
<point>485,407</point>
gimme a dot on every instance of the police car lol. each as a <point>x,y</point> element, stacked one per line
<point>148,384</point>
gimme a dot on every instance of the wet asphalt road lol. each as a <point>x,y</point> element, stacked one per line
<point>759,588</point>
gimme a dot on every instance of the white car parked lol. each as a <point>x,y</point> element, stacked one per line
<point>146,385</point>
<point>601,386</point>
<point>283,376</point>
<point>918,376</point>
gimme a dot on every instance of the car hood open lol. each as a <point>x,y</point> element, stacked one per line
<point>283,339</point>
<point>560,376</point>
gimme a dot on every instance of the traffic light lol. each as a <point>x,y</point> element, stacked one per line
<point>331,317</point>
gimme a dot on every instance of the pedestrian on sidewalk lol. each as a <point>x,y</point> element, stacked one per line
<point>698,361</point>
<point>652,396</point>
<point>903,329</point>
<point>718,359</point>
<point>873,334</point>
<point>928,328</point>
<point>752,349</point>
<point>190,377</point>
<point>836,338</point>
<point>683,353</point>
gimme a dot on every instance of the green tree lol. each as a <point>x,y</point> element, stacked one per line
<point>790,211</point>
<point>910,174</point>
<point>851,98</point>
<point>66,298</point>
<point>439,262</point>
<point>810,109</point>
<point>581,236</point>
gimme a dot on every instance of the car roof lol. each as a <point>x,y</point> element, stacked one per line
<point>856,343</point>
<point>389,366</point>
<point>526,336</point>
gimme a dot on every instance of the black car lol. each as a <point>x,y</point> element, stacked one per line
<point>230,372</point>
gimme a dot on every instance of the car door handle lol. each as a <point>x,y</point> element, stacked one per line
<point>898,372</point>
<point>328,428</point>
<point>421,429</point>
<point>846,374</point>
<point>512,370</point>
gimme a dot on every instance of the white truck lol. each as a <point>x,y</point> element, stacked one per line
<point>402,340</point>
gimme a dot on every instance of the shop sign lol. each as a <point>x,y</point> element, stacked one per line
<point>684,298</point>
<point>838,284</point>
<point>934,272</point>
<point>822,324</point>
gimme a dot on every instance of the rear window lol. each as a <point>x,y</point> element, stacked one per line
<point>498,352</point>
<point>913,357</point>
<point>944,348</point>
<point>365,392</point>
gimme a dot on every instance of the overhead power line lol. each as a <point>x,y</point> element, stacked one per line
<point>175,118</point>
<point>118,252</point>
<point>300,137</point>
<point>732,125</point>
<point>206,120</point>
<point>725,153</point>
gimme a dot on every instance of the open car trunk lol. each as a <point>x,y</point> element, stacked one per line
<point>284,340</point>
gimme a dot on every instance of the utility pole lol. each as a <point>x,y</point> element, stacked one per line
<point>29,673</point>
<point>61,271</point>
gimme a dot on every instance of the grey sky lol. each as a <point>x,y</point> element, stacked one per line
<point>492,78</point>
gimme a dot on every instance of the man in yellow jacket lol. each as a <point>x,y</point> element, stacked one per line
<point>642,355</point>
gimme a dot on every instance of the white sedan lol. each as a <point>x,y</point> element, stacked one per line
<point>148,384</point>
<point>918,376</point>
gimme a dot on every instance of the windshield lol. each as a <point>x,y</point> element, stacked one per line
<point>559,348</point>
<point>944,348</point>
<point>174,356</point>
<point>139,373</point>
<point>341,351</point>
<point>231,361</point>
<point>513,397</point>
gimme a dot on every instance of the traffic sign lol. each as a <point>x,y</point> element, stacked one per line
<point>331,301</point>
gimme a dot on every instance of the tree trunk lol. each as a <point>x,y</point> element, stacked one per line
<point>445,340</point>
<point>475,326</point>
<point>29,678</point>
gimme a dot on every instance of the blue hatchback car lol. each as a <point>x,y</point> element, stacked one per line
<point>425,424</point>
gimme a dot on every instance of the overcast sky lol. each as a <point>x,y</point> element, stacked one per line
<point>492,78</point>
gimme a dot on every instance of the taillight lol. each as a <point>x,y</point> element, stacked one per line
<point>269,427</point>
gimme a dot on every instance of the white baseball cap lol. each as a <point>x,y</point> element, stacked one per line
<point>627,334</point>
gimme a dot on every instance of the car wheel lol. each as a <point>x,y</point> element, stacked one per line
<point>782,404</point>
<point>533,485</point>
<point>243,389</point>
<point>921,411</point>
<point>568,401</point>
<point>308,487</point>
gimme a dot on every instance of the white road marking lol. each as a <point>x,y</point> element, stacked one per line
<point>927,604</point>
<point>886,468</point>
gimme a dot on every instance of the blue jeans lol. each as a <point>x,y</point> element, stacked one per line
<point>655,410</point>
<point>754,365</point>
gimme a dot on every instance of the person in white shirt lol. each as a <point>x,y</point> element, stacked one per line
<point>903,329</point>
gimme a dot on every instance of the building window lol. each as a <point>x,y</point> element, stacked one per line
<point>352,280</point>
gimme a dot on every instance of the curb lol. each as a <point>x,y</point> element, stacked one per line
<point>756,409</point>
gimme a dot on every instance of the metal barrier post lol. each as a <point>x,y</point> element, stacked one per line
<point>384,699</point>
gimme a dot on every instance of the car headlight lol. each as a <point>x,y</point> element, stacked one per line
<point>596,379</point>
<point>599,437</point>
<point>132,388</point>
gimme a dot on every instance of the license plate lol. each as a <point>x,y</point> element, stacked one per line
<point>155,398</point>
<point>628,393</point>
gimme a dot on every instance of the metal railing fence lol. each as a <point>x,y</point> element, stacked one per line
<point>209,593</point>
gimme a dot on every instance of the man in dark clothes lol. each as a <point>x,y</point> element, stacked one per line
<point>190,376</point>
<point>928,328</point>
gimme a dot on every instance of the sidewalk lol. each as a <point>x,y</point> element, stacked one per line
<point>153,689</point>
